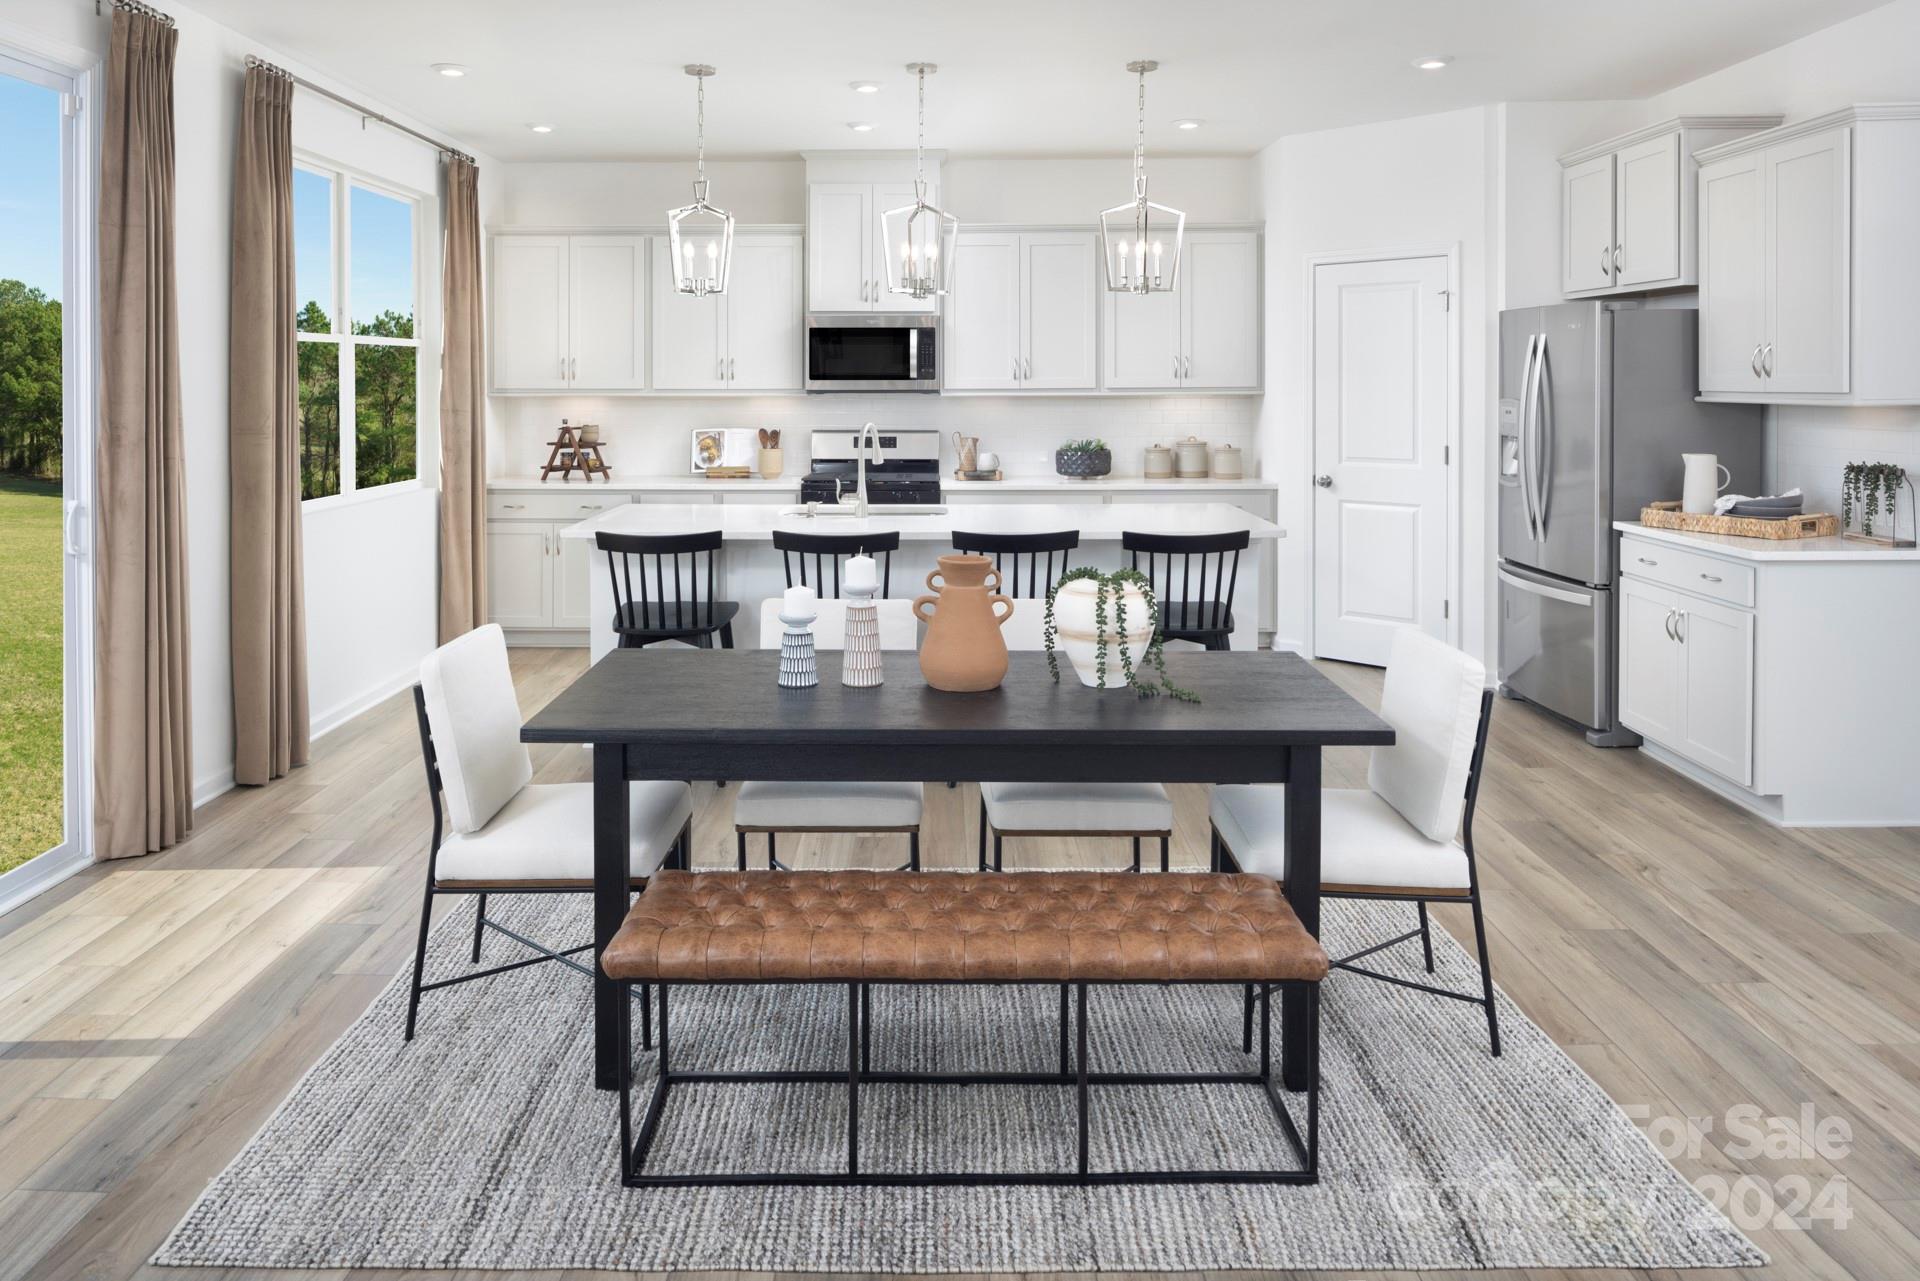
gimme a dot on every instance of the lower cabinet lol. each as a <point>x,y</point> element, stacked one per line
<point>537,580</point>
<point>520,574</point>
<point>1687,675</point>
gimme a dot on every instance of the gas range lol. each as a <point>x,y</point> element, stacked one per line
<point>904,470</point>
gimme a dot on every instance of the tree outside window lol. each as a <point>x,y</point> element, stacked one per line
<point>358,356</point>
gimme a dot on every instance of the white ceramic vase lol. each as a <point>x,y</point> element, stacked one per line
<point>1076,628</point>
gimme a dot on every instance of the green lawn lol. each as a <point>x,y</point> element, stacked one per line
<point>31,777</point>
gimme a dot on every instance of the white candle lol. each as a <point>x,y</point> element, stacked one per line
<point>863,575</point>
<point>799,602</point>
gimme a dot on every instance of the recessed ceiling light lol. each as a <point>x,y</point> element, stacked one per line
<point>1188,124</point>
<point>541,128</point>
<point>451,70</point>
<point>863,86</point>
<point>1431,64</point>
<point>860,126</point>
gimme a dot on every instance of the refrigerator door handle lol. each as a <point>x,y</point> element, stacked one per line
<point>1560,594</point>
<point>1526,437</point>
<point>1543,430</point>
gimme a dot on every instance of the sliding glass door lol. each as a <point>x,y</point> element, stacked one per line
<point>45,473</point>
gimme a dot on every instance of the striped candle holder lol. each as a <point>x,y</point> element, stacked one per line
<point>799,667</point>
<point>860,659</point>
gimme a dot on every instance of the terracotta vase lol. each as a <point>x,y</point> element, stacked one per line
<point>964,651</point>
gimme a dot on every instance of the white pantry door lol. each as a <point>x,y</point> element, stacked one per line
<point>1381,381</point>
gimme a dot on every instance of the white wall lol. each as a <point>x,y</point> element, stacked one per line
<point>1426,181</point>
<point>371,565</point>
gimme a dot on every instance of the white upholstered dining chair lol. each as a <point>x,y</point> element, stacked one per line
<point>495,831</point>
<point>1394,839</point>
<point>771,807</point>
<point>1135,811</point>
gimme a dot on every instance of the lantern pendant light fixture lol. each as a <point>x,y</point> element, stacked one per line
<point>700,237</point>
<point>919,237</point>
<point>1140,241</point>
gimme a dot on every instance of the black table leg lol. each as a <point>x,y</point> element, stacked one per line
<point>1303,892</point>
<point>612,838</point>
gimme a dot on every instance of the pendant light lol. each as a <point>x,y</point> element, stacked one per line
<point>1140,241</point>
<point>700,236</point>
<point>918,237</point>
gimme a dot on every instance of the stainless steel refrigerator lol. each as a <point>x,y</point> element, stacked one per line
<point>1596,407</point>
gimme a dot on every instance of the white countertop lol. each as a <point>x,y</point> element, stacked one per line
<point>687,483</point>
<point>756,522</point>
<point>1770,549</point>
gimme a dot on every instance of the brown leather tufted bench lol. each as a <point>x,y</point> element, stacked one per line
<point>1068,929</point>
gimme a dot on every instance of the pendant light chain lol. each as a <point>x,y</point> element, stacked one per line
<point>1140,142</point>
<point>920,142</point>
<point>700,138</point>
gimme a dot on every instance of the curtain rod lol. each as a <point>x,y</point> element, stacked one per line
<point>365,113</point>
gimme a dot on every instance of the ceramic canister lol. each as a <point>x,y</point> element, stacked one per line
<point>964,651</point>
<point>1190,458</point>
<point>1227,463</point>
<point>1159,462</point>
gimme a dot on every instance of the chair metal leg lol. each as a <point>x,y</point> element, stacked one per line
<point>1426,936</point>
<point>479,925</point>
<point>726,636</point>
<point>1213,849</point>
<point>1246,1020</point>
<point>1486,977</point>
<point>866,1027</point>
<point>646,1016</point>
<point>913,850</point>
<point>997,865</point>
<point>773,860</point>
<point>983,836</point>
<point>742,837</point>
<point>1166,857</point>
<point>419,960</point>
<point>1136,854</point>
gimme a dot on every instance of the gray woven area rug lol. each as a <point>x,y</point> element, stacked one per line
<point>483,1145</point>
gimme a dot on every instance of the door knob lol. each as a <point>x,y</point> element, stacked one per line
<point>1325,482</point>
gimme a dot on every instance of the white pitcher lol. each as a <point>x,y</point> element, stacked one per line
<point>1702,483</point>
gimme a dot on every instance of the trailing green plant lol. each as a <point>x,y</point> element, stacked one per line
<point>1869,489</point>
<point>1114,584</point>
<point>1091,445</point>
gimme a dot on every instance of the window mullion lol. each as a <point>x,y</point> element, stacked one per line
<point>343,325</point>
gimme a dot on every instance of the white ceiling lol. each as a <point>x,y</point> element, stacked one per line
<point>1033,77</point>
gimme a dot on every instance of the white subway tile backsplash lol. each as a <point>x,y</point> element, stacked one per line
<point>647,436</point>
<point>1811,446</point>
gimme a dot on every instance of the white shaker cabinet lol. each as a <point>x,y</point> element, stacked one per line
<point>846,253</point>
<point>1020,313</point>
<point>569,313</point>
<point>1205,334</point>
<point>1627,219</point>
<point>538,582</point>
<point>1809,266</point>
<point>748,339</point>
<point>1686,675</point>
<point>520,574</point>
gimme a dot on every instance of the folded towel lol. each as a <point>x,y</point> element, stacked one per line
<point>1725,501</point>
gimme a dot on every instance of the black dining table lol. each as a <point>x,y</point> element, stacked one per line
<point>1263,717</point>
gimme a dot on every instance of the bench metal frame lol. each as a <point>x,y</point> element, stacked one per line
<point>1074,1072</point>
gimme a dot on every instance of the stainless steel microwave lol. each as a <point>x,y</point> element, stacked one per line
<point>873,351</point>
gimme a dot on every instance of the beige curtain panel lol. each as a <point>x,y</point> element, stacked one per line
<point>143,747</point>
<point>463,438</point>
<point>269,625</point>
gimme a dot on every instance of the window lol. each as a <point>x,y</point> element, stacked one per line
<point>359,365</point>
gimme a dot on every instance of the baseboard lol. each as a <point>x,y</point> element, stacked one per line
<point>341,713</point>
<point>38,875</point>
<point>215,784</point>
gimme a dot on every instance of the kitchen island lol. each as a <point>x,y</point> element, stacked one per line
<point>750,570</point>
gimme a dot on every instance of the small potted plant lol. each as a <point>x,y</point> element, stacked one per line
<point>1869,489</point>
<point>1083,459</point>
<point>1109,625</point>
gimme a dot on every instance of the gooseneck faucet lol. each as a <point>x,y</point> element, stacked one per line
<point>869,436</point>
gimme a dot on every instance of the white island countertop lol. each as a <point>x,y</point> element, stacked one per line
<point>1096,523</point>
<point>1790,550</point>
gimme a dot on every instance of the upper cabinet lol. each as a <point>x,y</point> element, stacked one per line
<point>1809,269</point>
<point>1205,335</point>
<point>1627,205</point>
<point>846,256</point>
<point>748,339</point>
<point>569,313</point>
<point>1020,312</point>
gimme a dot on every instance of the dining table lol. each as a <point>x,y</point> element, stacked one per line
<point>1259,717</point>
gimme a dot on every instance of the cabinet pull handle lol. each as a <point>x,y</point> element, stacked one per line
<point>1606,255</point>
<point>1026,368</point>
<point>563,369</point>
<point>512,507</point>
<point>1668,624</point>
<point>1755,362</point>
<point>1712,578</point>
<point>1016,369</point>
<point>1616,260</point>
<point>573,370</point>
<point>1766,360</point>
<point>1644,561</point>
<point>1680,626</point>
<point>730,364</point>
<point>1176,368</point>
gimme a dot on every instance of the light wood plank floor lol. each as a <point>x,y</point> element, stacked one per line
<point>1693,959</point>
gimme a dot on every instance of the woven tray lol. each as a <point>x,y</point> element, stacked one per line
<point>1812,525</point>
